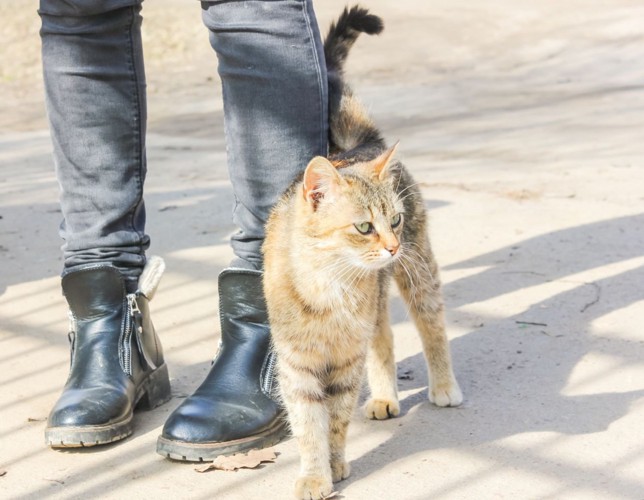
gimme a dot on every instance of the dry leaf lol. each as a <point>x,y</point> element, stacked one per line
<point>248,460</point>
<point>331,495</point>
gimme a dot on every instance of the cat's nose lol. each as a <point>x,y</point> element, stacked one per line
<point>393,248</point>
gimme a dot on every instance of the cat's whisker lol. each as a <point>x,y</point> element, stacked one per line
<point>408,266</point>
<point>353,278</point>
<point>408,187</point>
<point>414,260</point>
<point>420,254</point>
<point>348,273</point>
<point>361,272</point>
<point>332,267</point>
<point>421,249</point>
<point>398,182</point>
<point>337,266</point>
<point>412,284</point>
<point>420,260</point>
<point>401,199</point>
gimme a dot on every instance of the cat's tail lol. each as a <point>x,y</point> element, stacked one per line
<point>345,31</point>
<point>349,123</point>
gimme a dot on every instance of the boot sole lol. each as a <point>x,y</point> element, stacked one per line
<point>206,452</point>
<point>153,391</point>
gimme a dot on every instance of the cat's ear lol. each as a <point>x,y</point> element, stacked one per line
<point>382,165</point>
<point>321,180</point>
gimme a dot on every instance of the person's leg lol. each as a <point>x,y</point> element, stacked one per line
<point>95,93</point>
<point>273,73</point>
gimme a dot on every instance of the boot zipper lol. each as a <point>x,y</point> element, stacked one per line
<point>125,350</point>
<point>220,344</point>
<point>137,324</point>
<point>71,336</point>
<point>269,372</point>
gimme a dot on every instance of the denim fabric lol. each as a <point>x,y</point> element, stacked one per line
<point>95,94</point>
<point>275,103</point>
<point>271,64</point>
<point>81,8</point>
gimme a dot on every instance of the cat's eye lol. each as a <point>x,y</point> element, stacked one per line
<point>364,227</point>
<point>396,220</point>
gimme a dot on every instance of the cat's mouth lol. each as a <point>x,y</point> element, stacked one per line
<point>381,260</point>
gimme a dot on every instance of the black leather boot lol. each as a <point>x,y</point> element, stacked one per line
<point>235,408</point>
<point>116,357</point>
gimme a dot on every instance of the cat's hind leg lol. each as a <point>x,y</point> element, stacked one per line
<point>381,367</point>
<point>417,277</point>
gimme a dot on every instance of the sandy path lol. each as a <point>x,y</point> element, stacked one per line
<point>522,120</point>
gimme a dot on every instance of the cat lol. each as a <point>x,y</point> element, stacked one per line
<point>336,238</point>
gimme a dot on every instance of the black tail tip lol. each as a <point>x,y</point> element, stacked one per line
<point>360,20</point>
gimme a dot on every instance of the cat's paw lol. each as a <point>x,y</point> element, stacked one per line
<point>446,394</point>
<point>340,469</point>
<point>313,488</point>
<point>381,409</point>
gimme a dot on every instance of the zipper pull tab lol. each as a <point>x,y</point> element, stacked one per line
<point>137,322</point>
<point>71,336</point>
<point>135,312</point>
<point>72,322</point>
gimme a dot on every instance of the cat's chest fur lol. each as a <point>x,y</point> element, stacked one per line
<point>335,308</point>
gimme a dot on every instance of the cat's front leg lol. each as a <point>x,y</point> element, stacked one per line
<point>381,370</point>
<point>309,424</point>
<point>309,420</point>
<point>313,488</point>
<point>342,396</point>
<point>443,387</point>
<point>446,394</point>
<point>422,293</point>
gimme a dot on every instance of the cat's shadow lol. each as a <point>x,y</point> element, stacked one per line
<point>516,371</point>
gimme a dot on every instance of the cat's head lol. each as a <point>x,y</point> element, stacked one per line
<point>354,213</point>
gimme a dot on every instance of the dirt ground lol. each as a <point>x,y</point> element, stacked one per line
<point>524,123</point>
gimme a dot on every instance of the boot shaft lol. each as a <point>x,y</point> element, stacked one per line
<point>242,302</point>
<point>109,323</point>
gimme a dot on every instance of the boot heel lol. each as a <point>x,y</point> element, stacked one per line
<point>157,389</point>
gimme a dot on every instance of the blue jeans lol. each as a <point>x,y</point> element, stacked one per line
<point>274,82</point>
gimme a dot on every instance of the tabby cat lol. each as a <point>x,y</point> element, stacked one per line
<point>334,241</point>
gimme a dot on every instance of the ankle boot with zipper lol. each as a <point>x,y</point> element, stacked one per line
<point>116,357</point>
<point>235,408</point>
